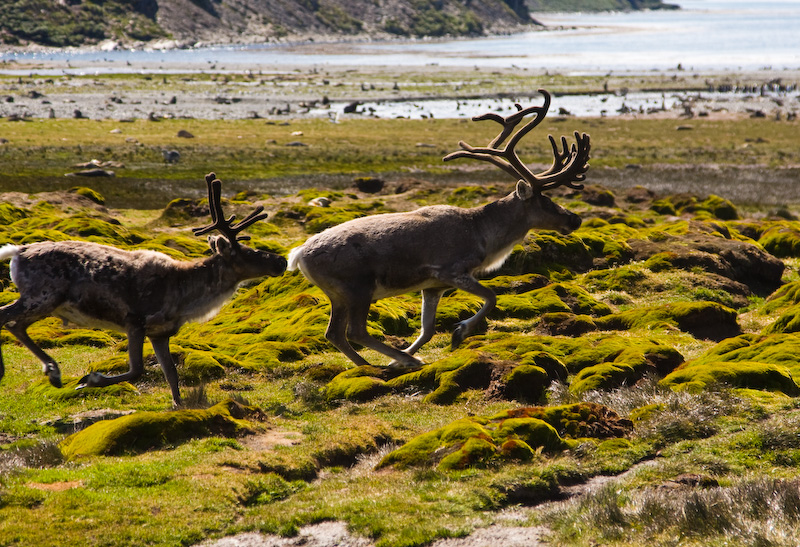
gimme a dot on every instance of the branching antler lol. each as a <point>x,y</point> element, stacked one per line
<point>225,227</point>
<point>569,163</point>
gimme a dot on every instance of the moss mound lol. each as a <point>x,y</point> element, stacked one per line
<point>741,374</point>
<point>199,368</point>
<point>772,349</point>
<point>707,320</point>
<point>782,239</point>
<point>448,378</point>
<point>510,435</point>
<point>687,204</point>
<point>357,384</point>
<point>556,297</point>
<point>544,252</point>
<point>710,248</point>
<point>146,430</point>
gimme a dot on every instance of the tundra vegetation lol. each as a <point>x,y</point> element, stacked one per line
<point>656,344</point>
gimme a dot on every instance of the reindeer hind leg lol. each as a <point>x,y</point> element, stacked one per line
<point>161,349</point>
<point>336,333</point>
<point>357,332</point>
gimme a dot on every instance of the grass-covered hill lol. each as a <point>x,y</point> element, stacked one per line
<point>653,350</point>
<point>86,22</point>
<point>58,23</point>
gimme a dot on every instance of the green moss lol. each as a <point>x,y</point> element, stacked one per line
<point>470,196</point>
<point>526,383</point>
<point>782,240</point>
<point>474,373</point>
<point>623,279</point>
<point>99,230</point>
<point>543,252</point>
<point>200,368</point>
<point>395,316</point>
<point>307,194</point>
<point>660,262</point>
<point>69,390</point>
<point>621,351</point>
<point>11,213</point>
<point>515,434</point>
<point>701,319</point>
<point>720,208</point>
<point>713,206</point>
<point>356,384</point>
<point>607,376</point>
<point>787,295</point>
<point>741,374</point>
<point>787,322</point>
<point>177,246</point>
<point>84,337</point>
<point>320,218</point>
<point>567,324</point>
<point>145,430</point>
<point>88,193</point>
<point>773,349</point>
<point>554,368</point>
<point>556,297</point>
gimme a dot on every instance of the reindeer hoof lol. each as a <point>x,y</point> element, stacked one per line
<point>90,380</point>
<point>458,335</point>
<point>405,365</point>
<point>53,374</point>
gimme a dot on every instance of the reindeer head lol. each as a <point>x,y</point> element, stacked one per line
<point>568,169</point>
<point>248,263</point>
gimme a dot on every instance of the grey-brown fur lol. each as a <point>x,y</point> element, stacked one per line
<point>141,293</point>
<point>435,248</point>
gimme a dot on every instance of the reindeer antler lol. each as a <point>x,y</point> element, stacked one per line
<point>569,163</point>
<point>225,227</point>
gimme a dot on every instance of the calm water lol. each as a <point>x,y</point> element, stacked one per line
<point>704,34</point>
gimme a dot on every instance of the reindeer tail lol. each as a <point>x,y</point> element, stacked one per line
<point>294,258</point>
<point>8,251</point>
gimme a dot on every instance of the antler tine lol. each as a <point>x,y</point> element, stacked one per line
<point>569,163</point>
<point>249,220</point>
<point>506,158</point>
<point>225,226</point>
<point>569,167</point>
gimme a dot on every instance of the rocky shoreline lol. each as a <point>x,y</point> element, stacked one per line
<point>180,92</point>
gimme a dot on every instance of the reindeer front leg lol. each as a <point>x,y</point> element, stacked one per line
<point>135,364</point>
<point>467,283</point>
<point>430,302</point>
<point>49,365</point>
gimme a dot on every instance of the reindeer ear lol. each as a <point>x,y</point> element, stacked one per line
<point>220,245</point>
<point>212,242</point>
<point>524,190</point>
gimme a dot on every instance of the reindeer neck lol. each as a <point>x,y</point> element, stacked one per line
<point>504,221</point>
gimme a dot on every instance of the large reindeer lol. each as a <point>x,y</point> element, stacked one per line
<point>141,293</point>
<point>437,247</point>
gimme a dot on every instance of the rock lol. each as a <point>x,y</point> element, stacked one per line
<point>369,185</point>
<point>97,172</point>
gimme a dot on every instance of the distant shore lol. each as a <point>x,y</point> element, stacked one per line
<point>41,90</point>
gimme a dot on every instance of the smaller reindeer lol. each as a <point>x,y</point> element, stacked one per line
<point>437,247</point>
<point>141,293</point>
